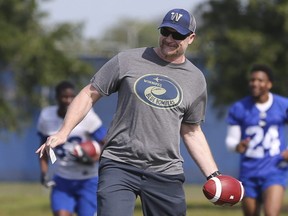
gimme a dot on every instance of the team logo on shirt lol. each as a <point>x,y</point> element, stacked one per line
<point>158,91</point>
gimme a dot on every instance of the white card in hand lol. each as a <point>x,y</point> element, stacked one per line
<point>52,156</point>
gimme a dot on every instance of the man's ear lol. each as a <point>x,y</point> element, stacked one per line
<point>191,38</point>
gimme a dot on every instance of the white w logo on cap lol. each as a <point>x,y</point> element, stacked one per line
<point>176,16</point>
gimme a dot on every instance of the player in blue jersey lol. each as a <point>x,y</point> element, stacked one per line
<point>74,185</point>
<point>256,131</point>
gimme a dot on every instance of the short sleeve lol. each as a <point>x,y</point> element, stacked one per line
<point>234,114</point>
<point>196,112</point>
<point>41,124</point>
<point>106,80</point>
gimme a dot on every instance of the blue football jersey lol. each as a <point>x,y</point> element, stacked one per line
<point>266,129</point>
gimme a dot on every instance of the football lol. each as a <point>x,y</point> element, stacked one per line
<point>223,190</point>
<point>91,149</point>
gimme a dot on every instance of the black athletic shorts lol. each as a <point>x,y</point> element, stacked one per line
<point>120,184</point>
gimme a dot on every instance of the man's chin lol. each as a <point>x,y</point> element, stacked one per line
<point>170,52</point>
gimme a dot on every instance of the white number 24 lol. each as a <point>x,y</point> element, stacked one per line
<point>270,141</point>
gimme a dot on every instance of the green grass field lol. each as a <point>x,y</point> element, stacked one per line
<point>31,199</point>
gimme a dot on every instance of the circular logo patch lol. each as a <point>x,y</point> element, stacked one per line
<point>158,91</point>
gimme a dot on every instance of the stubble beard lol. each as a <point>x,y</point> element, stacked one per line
<point>170,54</point>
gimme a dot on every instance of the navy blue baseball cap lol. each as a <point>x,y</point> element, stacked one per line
<point>180,20</point>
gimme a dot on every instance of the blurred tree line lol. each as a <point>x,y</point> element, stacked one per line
<point>31,55</point>
<point>231,36</point>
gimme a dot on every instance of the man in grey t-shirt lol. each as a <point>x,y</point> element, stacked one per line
<point>161,96</point>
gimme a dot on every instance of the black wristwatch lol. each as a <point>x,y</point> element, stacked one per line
<point>214,174</point>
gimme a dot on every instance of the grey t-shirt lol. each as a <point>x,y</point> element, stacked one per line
<point>154,98</point>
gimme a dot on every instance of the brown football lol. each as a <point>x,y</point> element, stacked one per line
<point>223,190</point>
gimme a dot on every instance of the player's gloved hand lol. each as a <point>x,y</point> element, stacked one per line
<point>46,181</point>
<point>81,156</point>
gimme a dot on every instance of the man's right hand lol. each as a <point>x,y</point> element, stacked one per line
<point>51,142</point>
